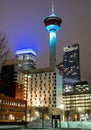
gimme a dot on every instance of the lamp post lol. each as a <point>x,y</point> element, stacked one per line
<point>62,108</point>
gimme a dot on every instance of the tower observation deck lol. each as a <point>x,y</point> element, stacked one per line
<point>52,24</point>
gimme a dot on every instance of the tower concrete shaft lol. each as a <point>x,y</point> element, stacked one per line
<point>52,24</point>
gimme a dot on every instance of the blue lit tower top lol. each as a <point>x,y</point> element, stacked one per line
<point>52,24</point>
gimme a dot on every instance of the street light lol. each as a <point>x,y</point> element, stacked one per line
<point>62,108</point>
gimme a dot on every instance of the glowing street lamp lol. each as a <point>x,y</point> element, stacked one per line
<point>62,108</point>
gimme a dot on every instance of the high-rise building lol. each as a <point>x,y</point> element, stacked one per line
<point>27,59</point>
<point>71,61</point>
<point>52,24</point>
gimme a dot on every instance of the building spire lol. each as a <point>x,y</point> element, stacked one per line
<point>52,8</point>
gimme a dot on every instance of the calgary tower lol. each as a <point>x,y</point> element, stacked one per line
<point>52,24</point>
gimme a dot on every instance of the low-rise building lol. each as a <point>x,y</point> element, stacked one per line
<point>12,109</point>
<point>77,103</point>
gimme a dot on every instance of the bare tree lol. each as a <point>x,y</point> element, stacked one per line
<point>5,51</point>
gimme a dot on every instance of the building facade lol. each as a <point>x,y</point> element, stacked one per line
<point>77,103</point>
<point>77,106</point>
<point>12,81</point>
<point>7,81</point>
<point>45,86</point>
<point>27,59</point>
<point>40,87</point>
<point>81,87</point>
<point>71,61</point>
<point>11,109</point>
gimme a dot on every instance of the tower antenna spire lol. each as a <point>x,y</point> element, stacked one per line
<point>52,8</point>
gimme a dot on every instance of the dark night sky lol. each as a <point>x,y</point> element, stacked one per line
<point>22,20</point>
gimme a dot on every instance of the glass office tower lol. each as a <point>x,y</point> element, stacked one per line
<point>71,63</point>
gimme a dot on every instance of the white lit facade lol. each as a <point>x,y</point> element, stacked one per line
<point>77,104</point>
<point>45,88</point>
<point>40,87</point>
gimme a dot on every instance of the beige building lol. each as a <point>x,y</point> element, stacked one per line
<point>45,87</point>
<point>42,87</point>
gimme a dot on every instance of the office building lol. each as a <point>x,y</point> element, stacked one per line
<point>7,81</point>
<point>71,61</point>
<point>77,103</point>
<point>77,106</point>
<point>11,80</point>
<point>11,109</point>
<point>81,87</point>
<point>27,59</point>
